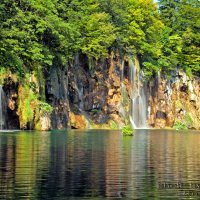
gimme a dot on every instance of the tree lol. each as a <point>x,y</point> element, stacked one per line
<point>181,37</point>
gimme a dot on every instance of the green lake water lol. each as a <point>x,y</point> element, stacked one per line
<point>99,164</point>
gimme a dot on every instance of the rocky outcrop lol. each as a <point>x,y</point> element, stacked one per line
<point>45,123</point>
<point>10,88</point>
<point>56,92</point>
<point>86,88</point>
<point>175,101</point>
<point>77,121</point>
<point>94,90</point>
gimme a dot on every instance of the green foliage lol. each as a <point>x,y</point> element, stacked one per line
<point>3,74</point>
<point>27,104</point>
<point>27,111</point>
<point>113,125</point>
<point>94,110</point>
<point>35,34</point>
<point>181,37</point>
<point>186,123</point>
<point>45,108</point>
<point>179,126</point>
<point>127,130</point>
<point>99,35</point>
<point>124,93</point>
<point>30,109</point>
<point>188,120</point>
<point>31,33</point>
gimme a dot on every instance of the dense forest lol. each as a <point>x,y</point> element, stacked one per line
<point>35,35</point>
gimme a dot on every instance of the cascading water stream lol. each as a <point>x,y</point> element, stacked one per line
<point>138,109</point>
<point>79,85</point>
<point>138,98</point>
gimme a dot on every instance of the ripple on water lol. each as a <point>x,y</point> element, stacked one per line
<point>91,164</point>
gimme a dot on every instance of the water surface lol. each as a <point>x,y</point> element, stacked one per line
<point>99,164</point>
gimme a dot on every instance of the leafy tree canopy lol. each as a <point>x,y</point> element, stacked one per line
<point>33,33</point>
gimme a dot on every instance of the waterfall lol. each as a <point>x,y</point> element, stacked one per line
<point>138,108</point>
<point>79,89</point>
<point>138,97</point>
<point>2,109</point>
<point>78,84</point>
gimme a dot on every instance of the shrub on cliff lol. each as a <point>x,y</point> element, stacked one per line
<point>30,109</point>
<point>178,125</point>
<point>185,123</point>
<point>27,104</point>
<point>45,108</point>
<point>127,130</point>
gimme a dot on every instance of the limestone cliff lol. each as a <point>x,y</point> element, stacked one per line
<point>174,101</point>
<point>94,92</point>
<point>10,88</point>
<point>100,94</point>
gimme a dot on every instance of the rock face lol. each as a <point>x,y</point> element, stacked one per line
<point>85,93</point>
<point>174,101</point>
<point>77,121</point>
<point>96,94</point>
<point>56,91</point>
<point>94,90</point>
<point>45,123</point>
<point>11,90</point>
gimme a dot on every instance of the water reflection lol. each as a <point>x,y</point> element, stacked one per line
<point>98,164</point>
